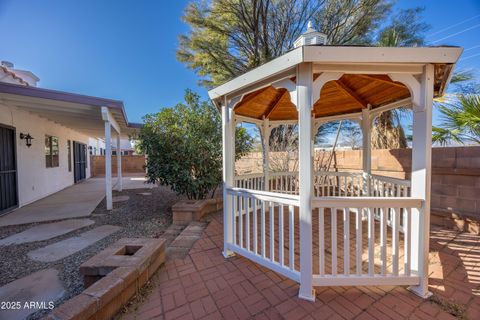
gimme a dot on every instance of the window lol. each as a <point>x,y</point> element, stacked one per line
<point>69,147</point>
<point>51,151</point>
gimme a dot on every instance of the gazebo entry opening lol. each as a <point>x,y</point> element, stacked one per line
<point>322,228</point>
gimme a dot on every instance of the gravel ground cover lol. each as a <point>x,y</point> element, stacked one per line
<point>142,215</point>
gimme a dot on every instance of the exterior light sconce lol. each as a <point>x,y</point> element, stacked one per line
<point>28,139</point>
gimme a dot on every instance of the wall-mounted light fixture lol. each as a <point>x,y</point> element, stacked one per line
<point>28,139</point>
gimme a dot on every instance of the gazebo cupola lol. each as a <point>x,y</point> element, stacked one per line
<point>310,37</point>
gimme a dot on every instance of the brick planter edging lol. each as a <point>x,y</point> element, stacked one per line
<point>112,277</point>
<point>186,211</point>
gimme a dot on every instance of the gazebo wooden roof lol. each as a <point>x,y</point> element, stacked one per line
<point>352,92</point>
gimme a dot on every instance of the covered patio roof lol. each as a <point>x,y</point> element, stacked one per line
<point>79,112</point>
<point>361,85</point>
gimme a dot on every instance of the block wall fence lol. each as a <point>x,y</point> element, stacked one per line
<point>455,199</point>
<point>130,164</point>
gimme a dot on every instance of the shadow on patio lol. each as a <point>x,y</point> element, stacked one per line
<point>205,285</point>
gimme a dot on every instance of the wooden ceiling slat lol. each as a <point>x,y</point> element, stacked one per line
<point>250,97</point>
<point>350,93</point>
<point>380,78</point>
<point>342,86</point>
<point>275,105</point>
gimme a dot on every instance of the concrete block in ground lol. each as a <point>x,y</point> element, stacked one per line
<point>43,285</point>
<point>64,248</point>
<point>120,198</point>
<point>46,231</point>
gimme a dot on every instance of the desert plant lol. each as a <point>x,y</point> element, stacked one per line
<point>184,147</point>
<point>460,121</point>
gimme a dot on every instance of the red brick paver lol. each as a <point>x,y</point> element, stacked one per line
<point>204,285</point>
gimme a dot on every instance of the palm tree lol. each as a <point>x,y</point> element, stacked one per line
<point>406,29</point>
<point>461,121</point>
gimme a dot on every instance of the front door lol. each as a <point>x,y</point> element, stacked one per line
<point>80,161</point>
<point>8,169</point>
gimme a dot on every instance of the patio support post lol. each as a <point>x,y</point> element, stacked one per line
<point>421,178</point>
<point>367,150</point>
<point>266,153</point>
<point>119,165</point>
<point>304,107</point>
<point>228,127</point>
<point>108,165</point>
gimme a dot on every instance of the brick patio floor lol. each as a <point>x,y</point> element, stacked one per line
<point>204,285</point>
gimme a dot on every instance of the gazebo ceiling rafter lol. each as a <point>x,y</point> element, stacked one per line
<point>275,104</point>
<point>345,88</point>
<point>350,93</point>
<point>382,78</point>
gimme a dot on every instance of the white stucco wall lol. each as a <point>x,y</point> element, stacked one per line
<point>35,181</point>
<point>96,144</point>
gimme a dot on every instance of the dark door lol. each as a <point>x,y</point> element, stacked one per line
<point>79,161</point>
<point>8,169</point>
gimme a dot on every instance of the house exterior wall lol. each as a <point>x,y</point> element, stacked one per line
<point>98,146</point>
<point>35,180</point>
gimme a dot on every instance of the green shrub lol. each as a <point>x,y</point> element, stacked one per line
<point>184,147</point>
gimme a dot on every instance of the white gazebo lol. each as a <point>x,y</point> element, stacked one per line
<point>333,228</point>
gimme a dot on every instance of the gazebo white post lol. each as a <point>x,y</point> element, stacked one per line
<point>266,153</point>
<point>119,165</point>
<point>367,150</point>
<point>421,178</point>
<point>228,127</point>
<point>108,165</point>
<point>304,107</point>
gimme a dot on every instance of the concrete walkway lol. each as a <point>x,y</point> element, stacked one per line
<point>46,231</point>
<point>64,248</point>
<point>76,201</point>
<point>31,293</point>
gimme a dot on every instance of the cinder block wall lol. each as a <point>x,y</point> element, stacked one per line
<point>455,176</point>
<point>130,164</point>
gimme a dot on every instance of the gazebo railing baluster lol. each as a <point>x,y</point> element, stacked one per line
<point>361,265</point>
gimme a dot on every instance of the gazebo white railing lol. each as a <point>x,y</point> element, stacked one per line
<point>329,184</point>
<point>333,228</point>
<point>257,215</point>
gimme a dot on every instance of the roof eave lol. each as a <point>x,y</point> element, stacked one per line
<point>41,93</point>
<point>338,55</point>
<point>277,65</point>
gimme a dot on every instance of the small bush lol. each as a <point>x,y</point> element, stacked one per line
<point>184,147</point>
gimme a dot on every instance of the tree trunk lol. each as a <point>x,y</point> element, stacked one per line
<point>387,135</point>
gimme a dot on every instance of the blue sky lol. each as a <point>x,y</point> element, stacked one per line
<point>125,50</point>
